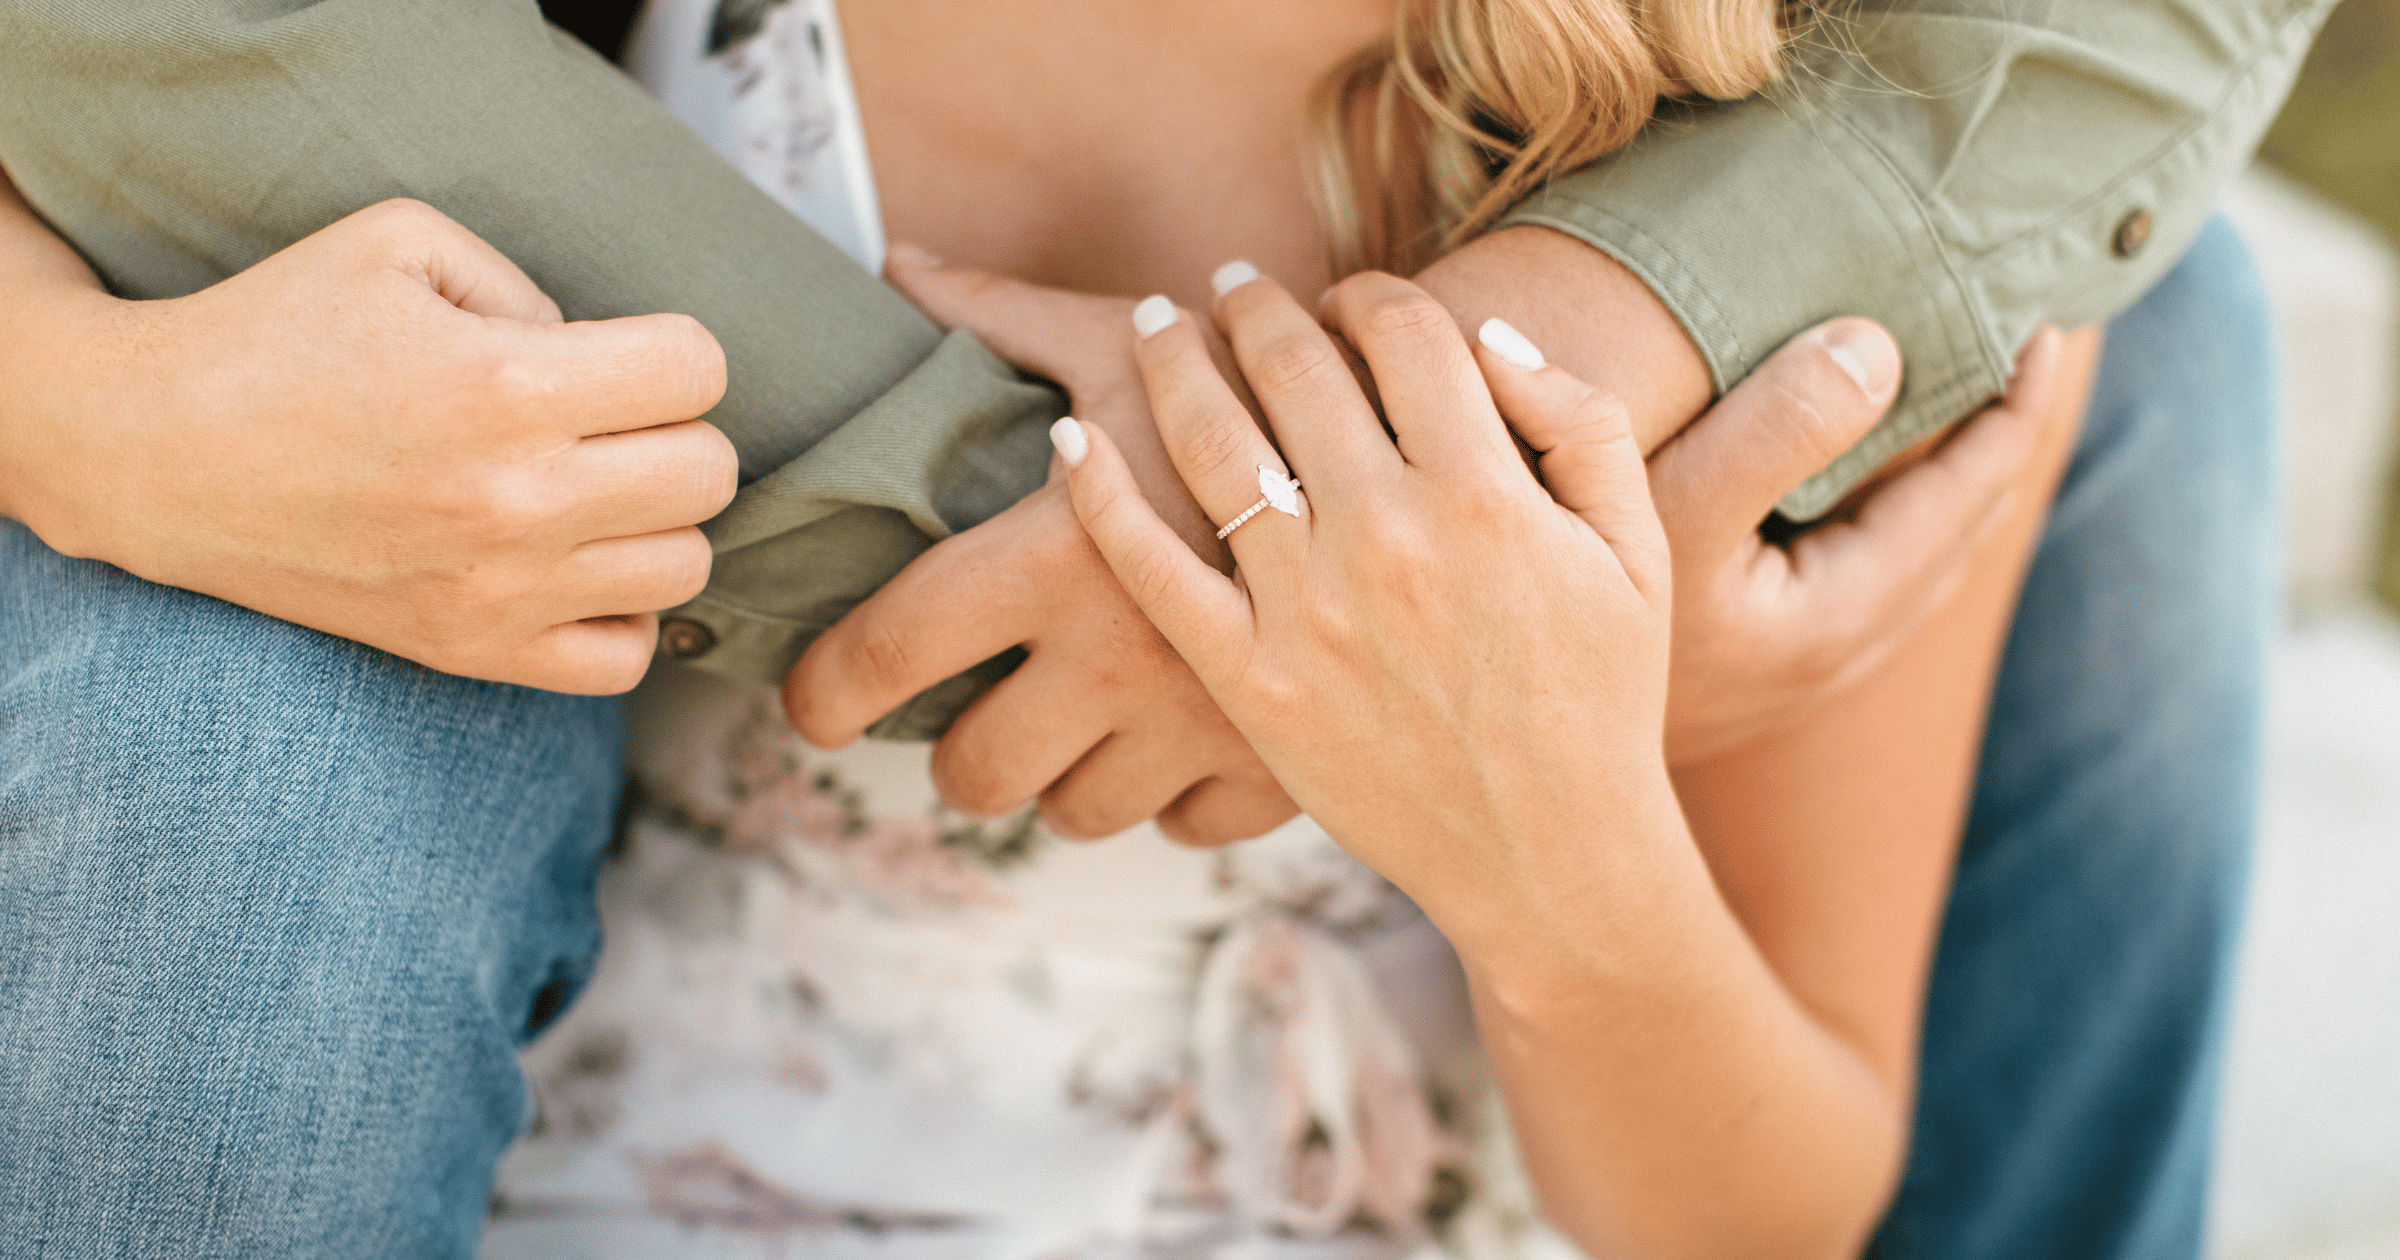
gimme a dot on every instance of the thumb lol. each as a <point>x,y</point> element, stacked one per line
<point>1049,332</point>
<point>1810,401</point>
<point>1202,614</point>
<point>452,261</point>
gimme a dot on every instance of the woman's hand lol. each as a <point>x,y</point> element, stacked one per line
<point>1457,673</point>
<point>384,432</point>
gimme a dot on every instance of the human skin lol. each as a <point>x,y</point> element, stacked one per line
<point>1465,681</point>
<point>385,432</point>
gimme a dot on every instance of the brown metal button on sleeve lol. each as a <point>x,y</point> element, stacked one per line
<point>2133,232</point>
<point>684,638</point>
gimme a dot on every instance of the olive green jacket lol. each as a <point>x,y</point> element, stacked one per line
<point>1959,170</point>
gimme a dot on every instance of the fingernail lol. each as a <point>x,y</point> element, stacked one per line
<point>1151,314</point>
<point>1231,276</point>
<point>1509,344</point>
<point>1067,436</point>
<point>1863,352</point>
<point>911,255</point>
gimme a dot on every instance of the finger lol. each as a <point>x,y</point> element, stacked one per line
<point>1217,448</point>
<point>1020,737</point>
<point>1304,386</point>
<point>1137,773</point>
<point>1810,401</point>
<point>964,601</point>
<point>649,480</point>
<point>1907,546</point>
<point>611,375</point>
<point>1433,396</point>
<point>454,262</point>
<point>1200,611</point>
<point>1590,460</point>
<point>1226,809</point>
<point>1040,329</point>
<point>604,656</point>
<point>611,577</point>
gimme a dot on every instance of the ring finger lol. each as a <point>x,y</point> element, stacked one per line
<point>1227,464</point>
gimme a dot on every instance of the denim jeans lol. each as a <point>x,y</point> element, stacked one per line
<point>276,910</point>
<point>2076,1019</point>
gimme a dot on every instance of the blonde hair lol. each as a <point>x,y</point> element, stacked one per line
<point>1425,141</point>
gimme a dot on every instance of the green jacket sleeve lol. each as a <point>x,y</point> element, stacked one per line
<point>1960,170</point>
<point>176,142</point>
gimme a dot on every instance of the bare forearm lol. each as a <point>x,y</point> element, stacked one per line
<point>1670,1095</point>
<point>1589,314</point>
<point>1717,1057</point>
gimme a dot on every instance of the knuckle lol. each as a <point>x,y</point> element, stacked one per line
<point>686,567</point>
<point>1404,547</point>
<point>1279,690</point>
<point>1150,578</point>
<point>980,286</point>
<point>883,660</point>
<point>717,472</point>
<point>1217,447</point>
<point>1409,316</point>
<point>405,216</point>
<point>512,385</point>
<point>691,353</point>
<point>1602,415</point>
<point>1291,359</point>
<point>1076,816</point>
<point>493,509</point>
<point>1812,430</point>
<point>1483,501</point>
<point>972,784</point>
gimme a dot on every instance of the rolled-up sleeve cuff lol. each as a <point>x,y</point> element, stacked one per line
<point>953,444</point>
<point>1959,231</point>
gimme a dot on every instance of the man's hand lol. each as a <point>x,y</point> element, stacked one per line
<point>387,433</point>
<point>1764,633</point>
<point>1102,721</point>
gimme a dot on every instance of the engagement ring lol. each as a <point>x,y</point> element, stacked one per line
<point>1282,494</point>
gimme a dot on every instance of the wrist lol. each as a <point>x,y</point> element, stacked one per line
<point>1610,909</point>
<point>68,355</point>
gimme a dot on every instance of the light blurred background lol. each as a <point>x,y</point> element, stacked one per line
<point>2309,1148</point>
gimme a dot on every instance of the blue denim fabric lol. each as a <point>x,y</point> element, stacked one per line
<point>2077,1013</point>
<point>276,911</point>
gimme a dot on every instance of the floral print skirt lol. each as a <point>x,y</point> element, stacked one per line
<point>833,1019</point>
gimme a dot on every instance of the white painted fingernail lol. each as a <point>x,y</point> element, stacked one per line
<point>1864,354</point>
<point>1509,344</point>
<point>1231,276</point>
<point>1151,314</point>
<point>1067,436</point>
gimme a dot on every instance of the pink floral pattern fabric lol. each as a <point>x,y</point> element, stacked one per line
<point>833,1017</point>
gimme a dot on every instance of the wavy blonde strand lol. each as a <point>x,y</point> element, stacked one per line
<point>1473,104</point>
